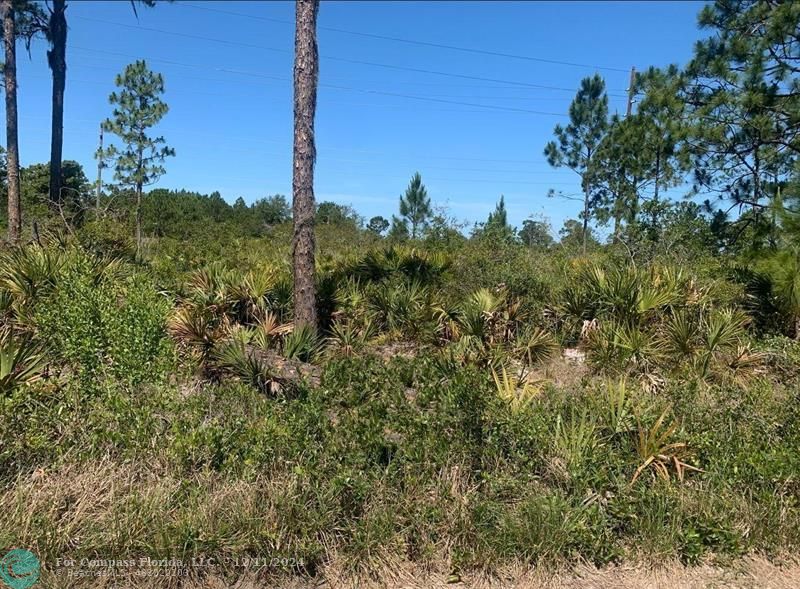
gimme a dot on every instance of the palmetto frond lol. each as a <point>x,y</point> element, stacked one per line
<point>238,359</point>
<point>681,335</point>
<point>21,361</point>
<point>347,339</point>
<point>536,346</point>
<point>656,451</point>
<point>518,393</point>
<point>302,344</point>
<point>197,328</point>
<point>722,330</point>
<point>24,272</point>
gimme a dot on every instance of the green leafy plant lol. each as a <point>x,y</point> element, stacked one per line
<point>575,438</point>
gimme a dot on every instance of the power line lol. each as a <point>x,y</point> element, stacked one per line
<point>410,96</point>
<point>91,123</point>
<point>207,79</point>
<point>333,58</point>
<point>361,80</point>
<point>444,101</point>
<point>417,42</point>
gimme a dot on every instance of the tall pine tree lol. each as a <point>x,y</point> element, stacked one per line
<point>744,93</point>
<point>137,108</point>
<point>576,144</point>
<point>306,74</point>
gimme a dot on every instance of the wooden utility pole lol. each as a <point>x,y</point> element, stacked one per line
<point>631,91</point>
<point>99,172</point>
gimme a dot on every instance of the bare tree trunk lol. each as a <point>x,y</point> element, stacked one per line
<point>56,58</point>
<point>99,174</point>
<point>658,174</point>
<point>139,209</point>
<point>306,71</point>
<point>12,142</point>
<point>585,216</point>
<point>139,221</point>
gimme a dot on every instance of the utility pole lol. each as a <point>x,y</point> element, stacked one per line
<point>99,171</point>
<point>630,91</point>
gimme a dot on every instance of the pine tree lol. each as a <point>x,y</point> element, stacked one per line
<point>306,73</point>
<point>499,218</point>
<point>496,225</point>
<point>378,225</point>
<point>56,32</point>
<point>745,103</point>
<point>21,20</point>
<point>415,206</point>
<point>577,142</point>
<point>137,108</point>
<point>399,229</point>
<point>12,138</point>
<point>55,29</point>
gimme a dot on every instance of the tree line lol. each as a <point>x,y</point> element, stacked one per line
<point>726,126</point>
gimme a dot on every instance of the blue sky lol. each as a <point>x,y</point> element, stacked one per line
<point>228,69</point>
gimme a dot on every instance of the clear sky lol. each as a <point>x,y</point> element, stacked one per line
<point>228,71</point>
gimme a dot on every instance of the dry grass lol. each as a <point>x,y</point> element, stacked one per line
<point>751,573</point>
<point>107,506</point>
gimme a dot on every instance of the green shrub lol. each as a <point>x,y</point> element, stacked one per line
<point>105,324</point>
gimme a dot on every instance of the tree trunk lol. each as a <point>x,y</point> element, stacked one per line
<point>12,143</point>
<point>657,175</point>
<point>585,216</point>
<point>99,174</point>
<point>138,220</point>
<point>139,208</point>
<point>306,71</point>
<point>56,58</point>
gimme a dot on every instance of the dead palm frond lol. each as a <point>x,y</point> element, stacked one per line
<point>268,331</point>
<point>196,328</point>
<point>448,318</point>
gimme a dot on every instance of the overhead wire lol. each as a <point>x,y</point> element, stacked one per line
<point>416,41</point>
<point>334,58</point>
